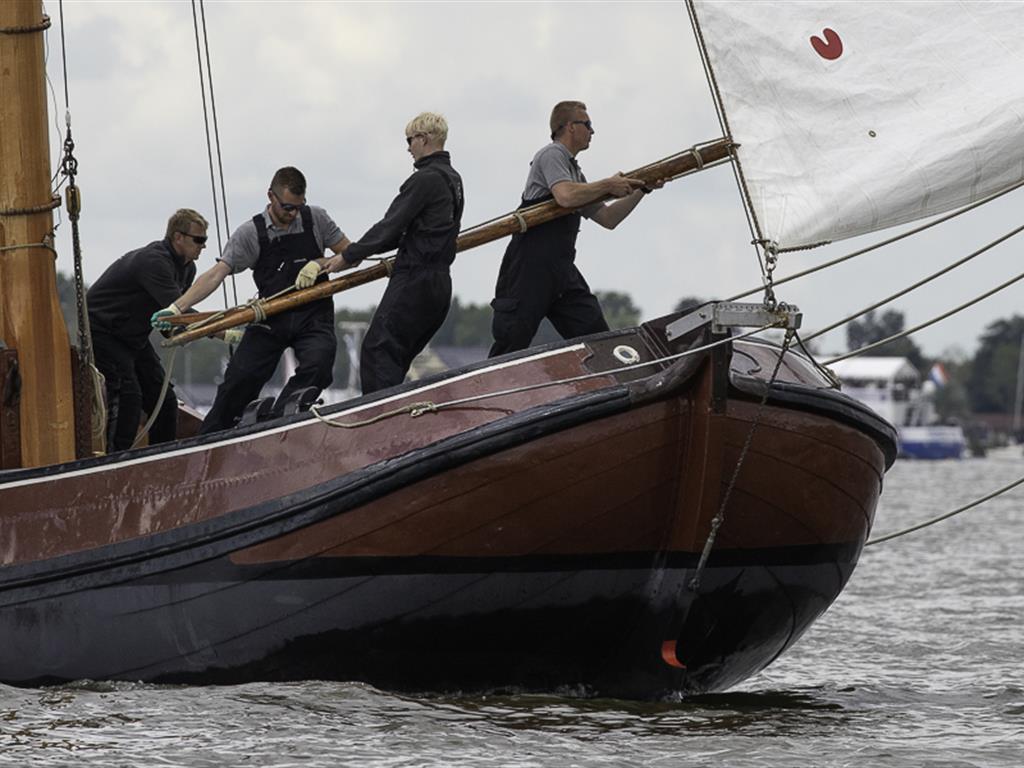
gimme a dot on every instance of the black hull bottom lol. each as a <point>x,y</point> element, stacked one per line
<point>617,628</point>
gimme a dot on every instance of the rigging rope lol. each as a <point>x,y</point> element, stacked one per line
<point>918,284</point>
<point>946,516</point>
<point>209,141</point>
<point>86,358</point>
<point>881,243</point>
<point>927,323</point>
<point>723,121</point>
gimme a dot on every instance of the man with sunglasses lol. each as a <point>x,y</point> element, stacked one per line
<point>120,303</point>
<point>284,246</point>
<point>423,223</point>
<point>538,276</point>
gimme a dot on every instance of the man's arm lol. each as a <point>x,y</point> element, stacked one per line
<point>575,194</point>
<point>610,215</point>
<point>204,285</point>
<point>387,233</point>
<point>337,262</point>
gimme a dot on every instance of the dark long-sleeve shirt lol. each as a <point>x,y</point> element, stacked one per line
<point>422,221</point>
<point>135,286</point>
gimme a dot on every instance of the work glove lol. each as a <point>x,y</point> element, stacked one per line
<point>234,335</point>
<point>307,275</point>
<point>158,320</point>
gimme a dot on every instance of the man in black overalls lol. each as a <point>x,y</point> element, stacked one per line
<point>538,276</point>
<point>284,246</point>
<point>423,223</point>
<point>121,302</point>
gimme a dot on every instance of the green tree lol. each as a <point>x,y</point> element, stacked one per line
<point>467,325</point>
<point>992,381</point>
<point>689,302</point>
<point>619,309</point>
<point>952,403</point>
<point>871,328</point>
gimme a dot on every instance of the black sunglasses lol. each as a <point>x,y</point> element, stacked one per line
<point>197,239</point>
<point>408,139</point>
<point>286,207</point>
<point>585,123</point>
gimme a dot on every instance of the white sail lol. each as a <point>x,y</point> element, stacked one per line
<point>855,116</point>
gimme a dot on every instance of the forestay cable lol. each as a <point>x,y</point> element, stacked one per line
<point>946,516</point>
<point>880,244</point>
<point>918,284</point>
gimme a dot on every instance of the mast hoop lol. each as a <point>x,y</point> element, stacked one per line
<point>44,208</point>
<point>25,246</point>
<point>40,27</point>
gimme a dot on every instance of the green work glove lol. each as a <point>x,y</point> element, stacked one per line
<point>234,335</point>
<point>158,319</point>
<point>307,275</point>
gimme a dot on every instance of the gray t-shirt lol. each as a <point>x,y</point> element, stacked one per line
<point>243,247</point>
<point>552,164</point>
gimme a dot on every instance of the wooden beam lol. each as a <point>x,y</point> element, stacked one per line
<point>30,317</point>
<point>662,170</point>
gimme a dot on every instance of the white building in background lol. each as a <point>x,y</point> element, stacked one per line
<point>893,388</point>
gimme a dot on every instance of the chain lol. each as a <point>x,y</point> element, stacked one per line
<point>719,518</point>
<point>771,260</point>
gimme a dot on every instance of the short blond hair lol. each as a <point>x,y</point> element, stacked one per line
<point>562,115</point>
<point>430,123</point>
<point>181,220</point>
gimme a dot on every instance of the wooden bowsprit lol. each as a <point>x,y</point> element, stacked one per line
<point>209,323</point>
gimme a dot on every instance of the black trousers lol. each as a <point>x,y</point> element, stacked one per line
<point>531,290</point>
<point>134,378</point>
<point>411,311</point>
<point>309,331</point>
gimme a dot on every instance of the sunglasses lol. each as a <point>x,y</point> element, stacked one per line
<point>585,123</point>
<point>286,207</point>
<point>197,239</point>
<point>408,139</point>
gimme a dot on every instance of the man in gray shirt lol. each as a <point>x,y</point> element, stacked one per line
<point>284,246</point>
<point>538,276</point>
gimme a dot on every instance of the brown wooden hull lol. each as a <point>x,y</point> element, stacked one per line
<point>543,537</point>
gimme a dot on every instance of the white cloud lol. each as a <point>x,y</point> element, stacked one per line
<point>328,87</point>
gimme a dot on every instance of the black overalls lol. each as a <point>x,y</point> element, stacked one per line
<point>308,330</point>
<point>419,293</point>
<point>121,303</point>
<point>538,278</point>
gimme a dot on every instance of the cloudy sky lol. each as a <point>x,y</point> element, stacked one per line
<point>329,86</point>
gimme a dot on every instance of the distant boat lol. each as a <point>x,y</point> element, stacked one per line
<point>894,389</point>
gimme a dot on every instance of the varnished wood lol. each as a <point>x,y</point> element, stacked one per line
<point>30,317</point>
<point>509,224</point>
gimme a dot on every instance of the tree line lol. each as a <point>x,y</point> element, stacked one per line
<point>984,383</point>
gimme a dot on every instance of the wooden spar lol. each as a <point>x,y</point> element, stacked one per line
<point>663,170</point>
<point>30,317</point>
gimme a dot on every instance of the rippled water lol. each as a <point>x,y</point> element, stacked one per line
<point>917,664</point>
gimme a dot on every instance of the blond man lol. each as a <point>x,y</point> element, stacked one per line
<point>422,222</point>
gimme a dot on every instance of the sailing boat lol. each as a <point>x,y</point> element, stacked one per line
<point>642,512</point>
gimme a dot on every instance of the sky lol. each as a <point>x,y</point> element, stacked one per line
<point>328,87</point>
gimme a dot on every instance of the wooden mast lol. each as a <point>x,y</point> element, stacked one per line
<point>30,316</point>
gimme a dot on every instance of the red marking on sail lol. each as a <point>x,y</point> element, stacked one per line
<point>668,654</point>
<point>831,47</point>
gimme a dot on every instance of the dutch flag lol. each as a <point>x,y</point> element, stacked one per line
<point>937,375</point>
